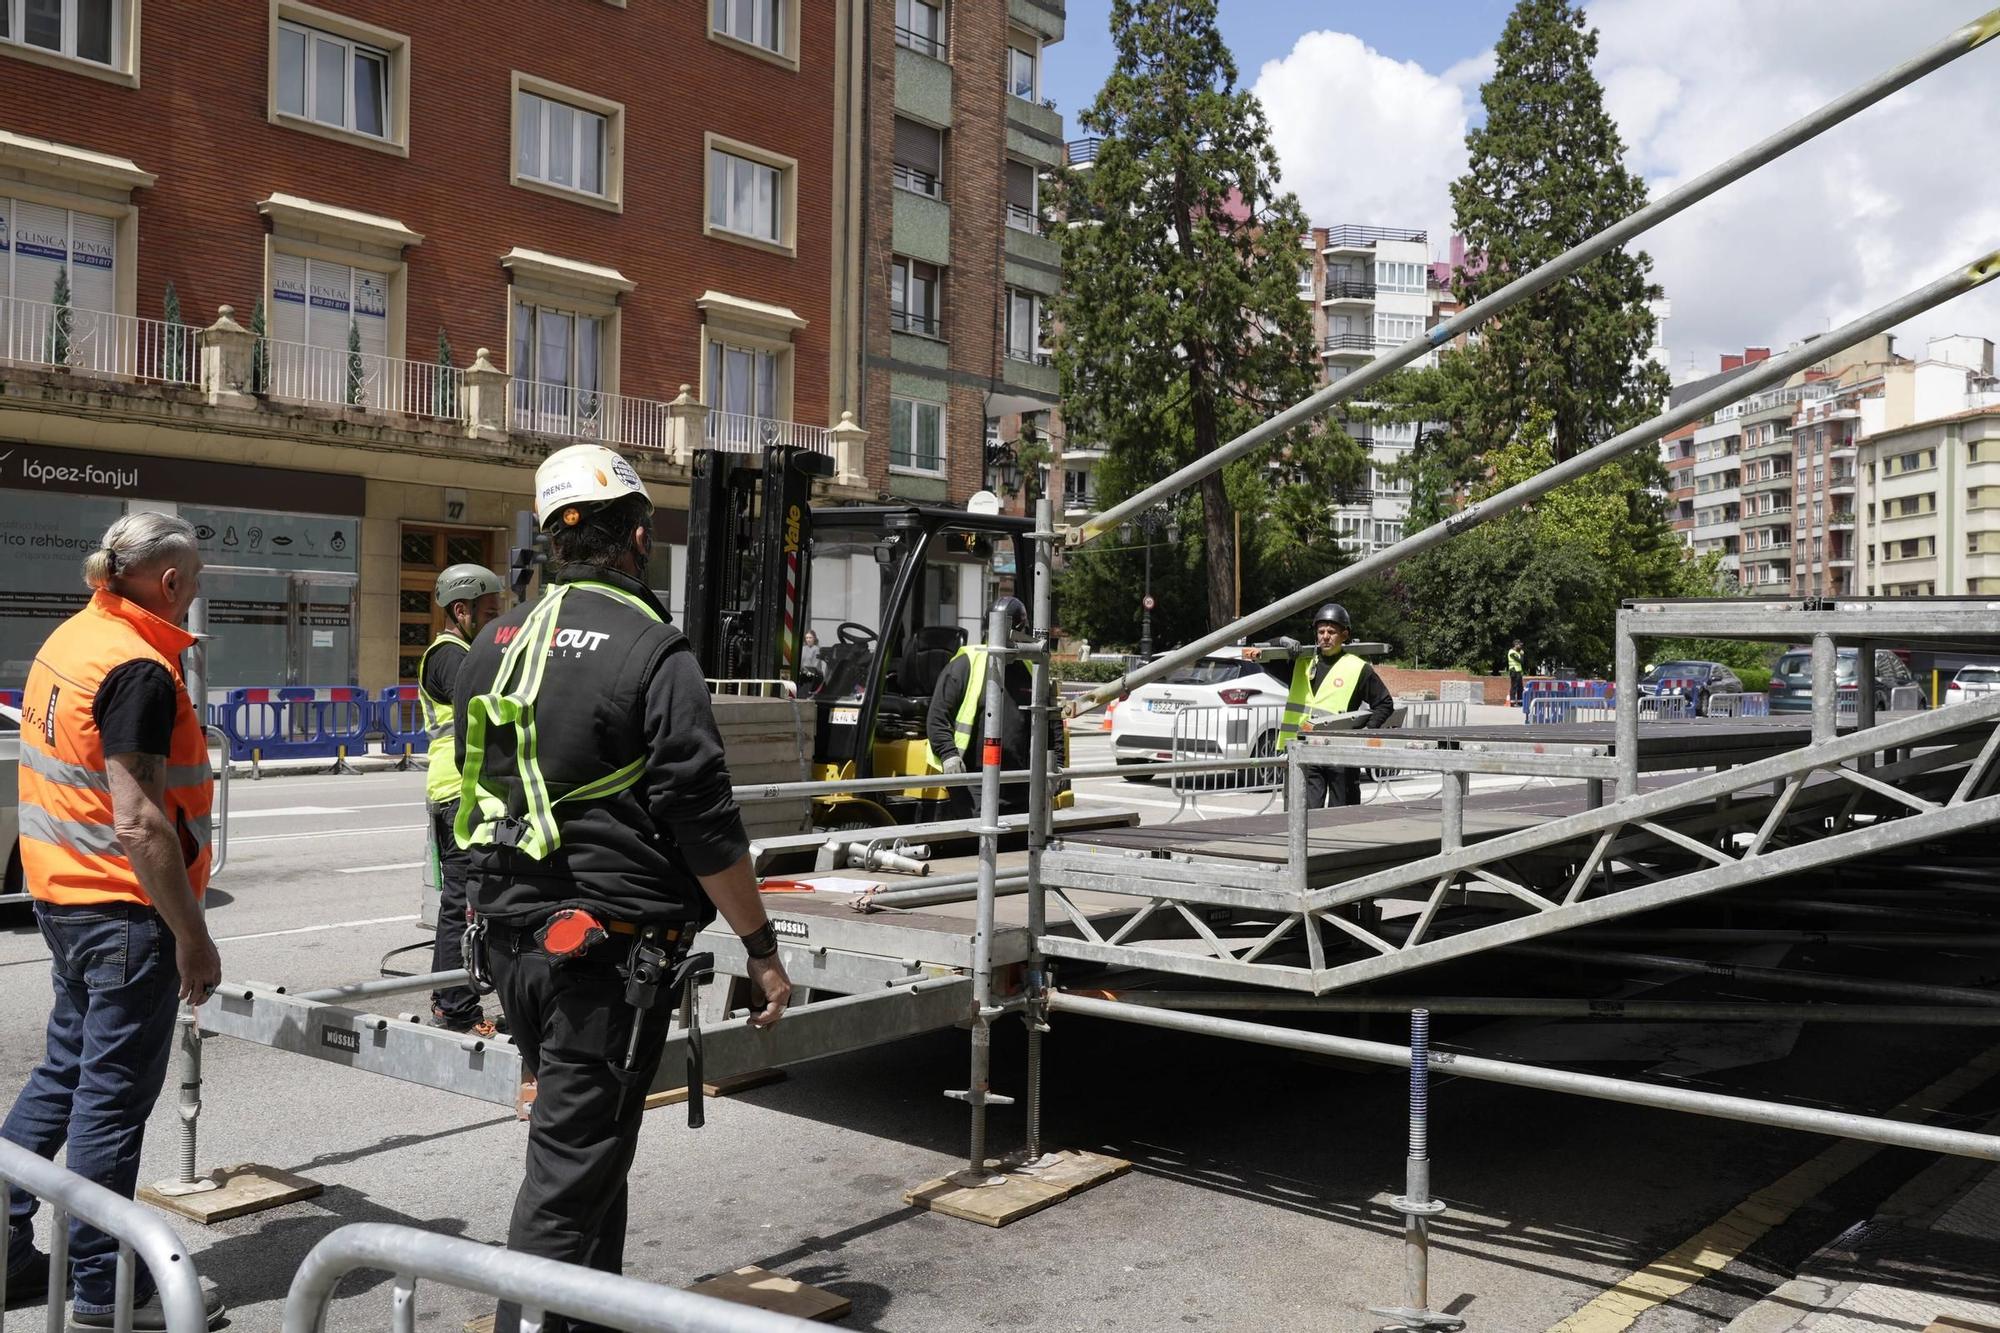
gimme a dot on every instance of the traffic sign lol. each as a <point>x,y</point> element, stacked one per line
<point>1148,602</point>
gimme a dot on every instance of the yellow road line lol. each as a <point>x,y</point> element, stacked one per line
<point>1721,1243</point>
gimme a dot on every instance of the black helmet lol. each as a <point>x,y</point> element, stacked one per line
<point>1017,614</point>
<point>1333,613</point>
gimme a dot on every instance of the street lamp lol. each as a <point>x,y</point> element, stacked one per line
<point>1149,522</point>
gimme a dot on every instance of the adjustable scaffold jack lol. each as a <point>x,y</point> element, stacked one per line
<point>1415,1203</point>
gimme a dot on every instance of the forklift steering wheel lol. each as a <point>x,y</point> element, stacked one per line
<point>859,635</point>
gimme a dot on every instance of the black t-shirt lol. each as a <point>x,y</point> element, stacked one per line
<point>134,709</point>
<point>441,672</point>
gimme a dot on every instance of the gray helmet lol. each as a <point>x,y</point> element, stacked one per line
<point>467,583</point>
<point>1017,614</point>
<point>1333,613</point>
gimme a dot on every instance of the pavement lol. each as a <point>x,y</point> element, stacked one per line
<point>1259,1195</point>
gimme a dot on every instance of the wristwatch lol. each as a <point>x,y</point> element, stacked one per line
<point>761,942</point>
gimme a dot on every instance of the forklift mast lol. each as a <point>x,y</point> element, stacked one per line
<point>748,560</point>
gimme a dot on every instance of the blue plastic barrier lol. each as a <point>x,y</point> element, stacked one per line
<point>1550,687</point>
<point>11,698</point>
<point>400,719</point>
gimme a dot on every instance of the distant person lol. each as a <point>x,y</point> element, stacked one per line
<point>1324,684</point>
<point>809,654</point>
<point>1517,664</point>
<point>956,723</point>
<point>115,802</point>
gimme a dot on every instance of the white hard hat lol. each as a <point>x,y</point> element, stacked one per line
<point>582,474</point>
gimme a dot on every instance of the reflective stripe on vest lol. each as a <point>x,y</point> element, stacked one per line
<point>441,778</point>
<point>1334,695</point>
<point>70,850</point>
<point>481,810</point>
<point>1516,660</point>
<point>975,699</point>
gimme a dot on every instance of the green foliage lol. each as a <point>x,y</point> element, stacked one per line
<point>447,386</point>
<point>260,351</point>
<point>1091,673</point>
<point>60,321</point>
<point>1739,655</point>
<point>357,376</point>
<point>1179,324</point>
<point>173,353</point>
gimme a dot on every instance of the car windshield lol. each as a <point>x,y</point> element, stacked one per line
<point>1208,671</point>
<point>1678,671</point>
<point>1978,675</point>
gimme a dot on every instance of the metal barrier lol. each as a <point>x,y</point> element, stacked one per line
<point>1597,708</point>
<point>1906,698</point>
<point>1220,731</point>
<point>538,1286</point>
<point>1744,704</point>
<point>1428,713</point>
<point>297,722</point>
<point>141,1233</point>
<point>1536,688</point>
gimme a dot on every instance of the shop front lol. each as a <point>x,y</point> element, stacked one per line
<point>281,550</point>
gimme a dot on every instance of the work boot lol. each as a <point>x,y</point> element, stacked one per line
<point>27,1278</point>
<point>473,1024</point>
<point>149,1315</point>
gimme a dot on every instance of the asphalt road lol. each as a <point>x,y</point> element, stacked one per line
<point>1258,1199</point>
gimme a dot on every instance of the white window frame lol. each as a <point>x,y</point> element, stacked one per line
<point>1401,275</point>
<point>784,51</point>
<point>1395,330</point>
<point>392,47</point>
<point>1021,47</point>
<point>352,54</point>
<point>121,67</point>
<point>581,104</point>
<point>936,44</point>
<point>913,468</point>
<point>1034,352</point>
<point>719,155</point>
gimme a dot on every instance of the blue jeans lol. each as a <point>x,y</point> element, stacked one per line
<point>117,985</point>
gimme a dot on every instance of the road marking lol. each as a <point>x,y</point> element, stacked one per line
<point>362,870</point>
<point>1721,1243</point>
<point>311,930</point>
<point>289,811</point>
<point>328,833</point>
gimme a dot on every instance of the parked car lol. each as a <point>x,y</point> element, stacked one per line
<point>10,795</point>
<point>1791,678</point>
<point>1972,682</point>
<point>1246,705</point>
<point>1697,681</point>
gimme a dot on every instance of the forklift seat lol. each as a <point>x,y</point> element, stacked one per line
<point>925,657</point>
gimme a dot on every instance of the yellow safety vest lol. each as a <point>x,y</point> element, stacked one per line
<point>1516,661</point>
<point>969,708</point>
<point>1335,692</point>
<point>440,723</point>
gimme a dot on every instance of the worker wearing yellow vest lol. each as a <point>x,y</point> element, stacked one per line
<point>470,597</point>
<point>114,810</point>
<point>955,727</point>
<point>1328,682</point>
<point>1517,663</point>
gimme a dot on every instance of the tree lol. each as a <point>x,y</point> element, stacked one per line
<point>59,320</point>
<point>447,383</point>
<point>260,352</point>
<point>1179,323</point>
<point>357,375</point>
<point>174,353</point>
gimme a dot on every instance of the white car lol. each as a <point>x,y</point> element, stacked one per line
<point>1219,705</point>
<point>10,795</point>
<point>1972,682</point>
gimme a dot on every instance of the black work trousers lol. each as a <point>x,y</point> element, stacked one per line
<point>571,1024</point>
<point>1328,787</point>
<point>456,1005</point>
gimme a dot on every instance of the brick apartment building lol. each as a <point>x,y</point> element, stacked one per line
<point>615,201</point>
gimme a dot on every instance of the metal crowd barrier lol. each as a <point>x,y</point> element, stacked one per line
<point>539,1286</point>
<point>1597,708</point>
<point>1906,698</point>
<point>142,1234</point>
<point>1745,704</point>
<point>1428,713</point>
<point>1247,731</point>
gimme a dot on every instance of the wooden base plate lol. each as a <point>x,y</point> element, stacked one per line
<point>754,1286</point>
<point>240,1191</point>
<point>725,1087</point>
<point>1020,1191</point>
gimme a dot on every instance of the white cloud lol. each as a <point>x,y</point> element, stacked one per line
<point>1893,198</point>
<point>1363,138</point>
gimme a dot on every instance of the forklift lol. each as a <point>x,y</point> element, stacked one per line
<point>757,544</point>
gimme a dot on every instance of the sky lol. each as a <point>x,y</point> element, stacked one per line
<point>1369,104</point>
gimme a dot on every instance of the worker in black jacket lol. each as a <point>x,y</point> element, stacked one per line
<point>956,723</point>
<point>1326,682</point>
<point>596,812</point>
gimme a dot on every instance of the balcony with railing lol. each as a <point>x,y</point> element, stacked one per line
<point>298,373</point>
<point>916,181</point>
<point>1777,481</point>
<point>736,433</point>
<point>588,414</point>
<point>1024,219</point>
<point>1347,289</point>
<point>922,43</point>
<point>917,322</point>
<point>1350,343</point>
<point>1082,152</point>
<point>1367,238</point>
<point>1842,519</point>
<point>97,342</point>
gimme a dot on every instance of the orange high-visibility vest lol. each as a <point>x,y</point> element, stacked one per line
<point>70,851</point>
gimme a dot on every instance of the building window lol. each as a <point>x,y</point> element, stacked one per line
<point>1918,461</point>
<point>329,332</point>
<point>333,80</point>
<point>1021,71</point>
<point>1024,326</point>
<point>1400,276</point>
<point>90,30</point>
<point>561,144</point>
<point>919,158</point>
<point>915,296</point>
<point>558,370</point>
<point>750,194</point>
<point>1076,487</point>
<point>742,388</point>
<point>40,243</point>
<point>916,436</point>
<point>920,27</point>
<point>1395,330</point>
<point>753,22</point>
<point>1022,212</point>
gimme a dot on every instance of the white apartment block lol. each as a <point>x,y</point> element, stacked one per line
<point>1718,494</point>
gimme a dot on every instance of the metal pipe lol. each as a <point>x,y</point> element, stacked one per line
<point>979,1088</point>
<point>1647,434</point>
<point>1825,687</point>
<point>1008,886</point>
<point>1415,1315</point>
<point>384,986</point>
<point>1626,714</point>
<point>1040,811</point>
<point>1811,1119</point>
<point>1507,1006</point>
<point>1866,939</point>
<point>778,791</point>
<point>187,1033</point>
<point>1777,976</point>
<point>1808,127</point>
